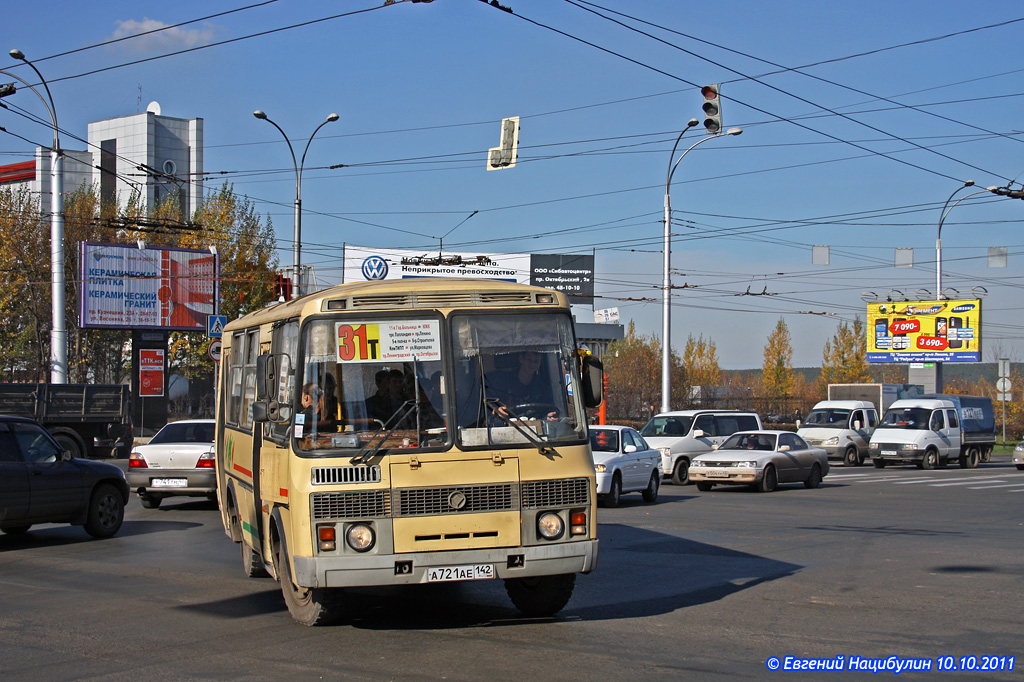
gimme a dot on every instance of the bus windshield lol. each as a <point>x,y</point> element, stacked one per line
<point>376,384</point>
<point>514,380</point>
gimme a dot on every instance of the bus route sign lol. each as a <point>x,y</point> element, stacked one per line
<point>388,341</point>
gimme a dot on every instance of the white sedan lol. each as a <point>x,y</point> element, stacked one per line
<point>178,460</point>
<point>762,459</point>
<point>624,463</point>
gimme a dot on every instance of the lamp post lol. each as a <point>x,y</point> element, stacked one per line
<point>666,311</point>
<point>942,218</point>
<point>297,245</point>
<point>58,330</point>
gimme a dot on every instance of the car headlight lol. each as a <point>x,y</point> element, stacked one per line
<point>550,526</point>
<point>360,537</point>
<point>747,465</point>
<point>834,440</point>
<point>600,468</point>
<point>909,446</point>
<point>665,452</point>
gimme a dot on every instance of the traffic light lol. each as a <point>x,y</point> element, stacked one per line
<point>504,155</point>
<point>282,288</point>
<point>712,109</point>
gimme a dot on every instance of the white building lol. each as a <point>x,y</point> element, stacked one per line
<point>148,153</point>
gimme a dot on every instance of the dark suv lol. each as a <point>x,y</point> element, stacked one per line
<point>42,483</point>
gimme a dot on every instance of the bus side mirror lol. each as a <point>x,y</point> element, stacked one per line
<point>593,381</point>
<point>266,375</point>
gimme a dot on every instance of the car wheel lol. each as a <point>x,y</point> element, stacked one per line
<point>614,496</point>
<point>542,595</point>
<point>704,486</point>
<point>681,474</point>
<point>18,530</point>
<point>930,460</point>
<point>150,501</point>
<point>814,480</point>
<point>309,606</point>
<point>769,481</point>
<point>651,493</point>
<point>106,511</point>
<point>879,463</point>
<point>851,458</point>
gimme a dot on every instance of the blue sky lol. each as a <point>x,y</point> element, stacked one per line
<point>860,120</point>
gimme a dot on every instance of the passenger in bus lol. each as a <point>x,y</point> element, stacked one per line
<point>522,385</point>
<point>315,412</point>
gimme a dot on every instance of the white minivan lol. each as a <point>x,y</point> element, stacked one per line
<point>842,428</point>
<point>684,434</point>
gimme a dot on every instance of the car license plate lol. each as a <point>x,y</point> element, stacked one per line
<point>169,482</point>
<point>440,574</point>
<point>888,452</point>
<point>717,473</point>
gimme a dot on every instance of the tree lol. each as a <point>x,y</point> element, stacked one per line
<point>248,262</point>
<point>844,359</point>
<point>633,368</point>
<point>777,371</point>
<point>700,365</point>
<point>25,288</point>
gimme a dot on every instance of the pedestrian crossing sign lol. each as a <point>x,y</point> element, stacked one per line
<point>215,325</point>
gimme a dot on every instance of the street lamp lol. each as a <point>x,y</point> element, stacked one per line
<point>666,314</point>
<point>297,245</point>
<point>58,330</point>
<point>942,218</point>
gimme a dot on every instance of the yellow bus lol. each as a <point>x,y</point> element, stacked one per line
<point>410,431</point>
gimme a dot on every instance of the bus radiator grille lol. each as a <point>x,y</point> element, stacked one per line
<point>559,493</point>
<point>456,499</point>
<point>366,504</point>
<point>346,474</point>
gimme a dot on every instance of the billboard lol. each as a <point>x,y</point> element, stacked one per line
<point>571,274</point>
<point>124,287</point>
<point>924,331</point>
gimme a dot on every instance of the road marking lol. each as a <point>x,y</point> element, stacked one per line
<point>847,475</point>
<point>969,482</point>
<point>1004,485</point>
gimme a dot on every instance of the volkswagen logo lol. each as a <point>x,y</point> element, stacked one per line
<point>375,267</point>
<point>457,500</point>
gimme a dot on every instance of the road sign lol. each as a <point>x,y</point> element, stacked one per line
<point>1006,397</point>
<point>215,350</point>
<point>1004,368</point>
<point>215,325</point>
<point>1003,385</point>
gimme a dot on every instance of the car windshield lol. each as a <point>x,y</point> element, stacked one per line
<point>604,440</point>
<point>184,432</point>
<point>828,418</point>
<point>913,418</point>
<point>667,426</point>
<point>750,441</point>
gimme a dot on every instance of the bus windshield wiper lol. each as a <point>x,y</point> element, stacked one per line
<point>367,452</point>
<point>495,404</point>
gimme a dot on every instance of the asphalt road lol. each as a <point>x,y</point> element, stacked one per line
<point>708,586</point>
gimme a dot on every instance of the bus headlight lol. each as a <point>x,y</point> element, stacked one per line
<point>360,537</point>
<point>550,526</point>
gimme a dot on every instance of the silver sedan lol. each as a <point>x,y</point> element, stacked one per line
<point>178,460</point>
<point>762,459</point>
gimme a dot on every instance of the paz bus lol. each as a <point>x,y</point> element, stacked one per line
<point>401,432</point>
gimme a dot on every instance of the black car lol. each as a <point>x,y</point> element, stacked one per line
<point>41,483</point>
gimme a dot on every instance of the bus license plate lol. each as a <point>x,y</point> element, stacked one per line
<point>439,574</point>
<point>170,482</point>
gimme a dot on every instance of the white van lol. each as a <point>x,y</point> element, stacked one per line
<point>682,435</point>
<point>923,431</point>
<point>842,428</point>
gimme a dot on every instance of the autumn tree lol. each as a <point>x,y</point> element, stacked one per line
<point>633,368</point>
<point>24,287</point>
<point>777,372</point>
<point>844,359</point>
<point>700,362</point>
<point>248,262</point>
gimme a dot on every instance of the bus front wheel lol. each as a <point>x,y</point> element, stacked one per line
<point>543,595</point>
<point>309,606</point>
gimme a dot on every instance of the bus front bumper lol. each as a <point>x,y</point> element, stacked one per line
<point>408,569</point>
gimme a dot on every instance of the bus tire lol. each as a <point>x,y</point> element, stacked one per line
<point>542,595</point>
<point>309,606</point>
<point>851,458</point>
